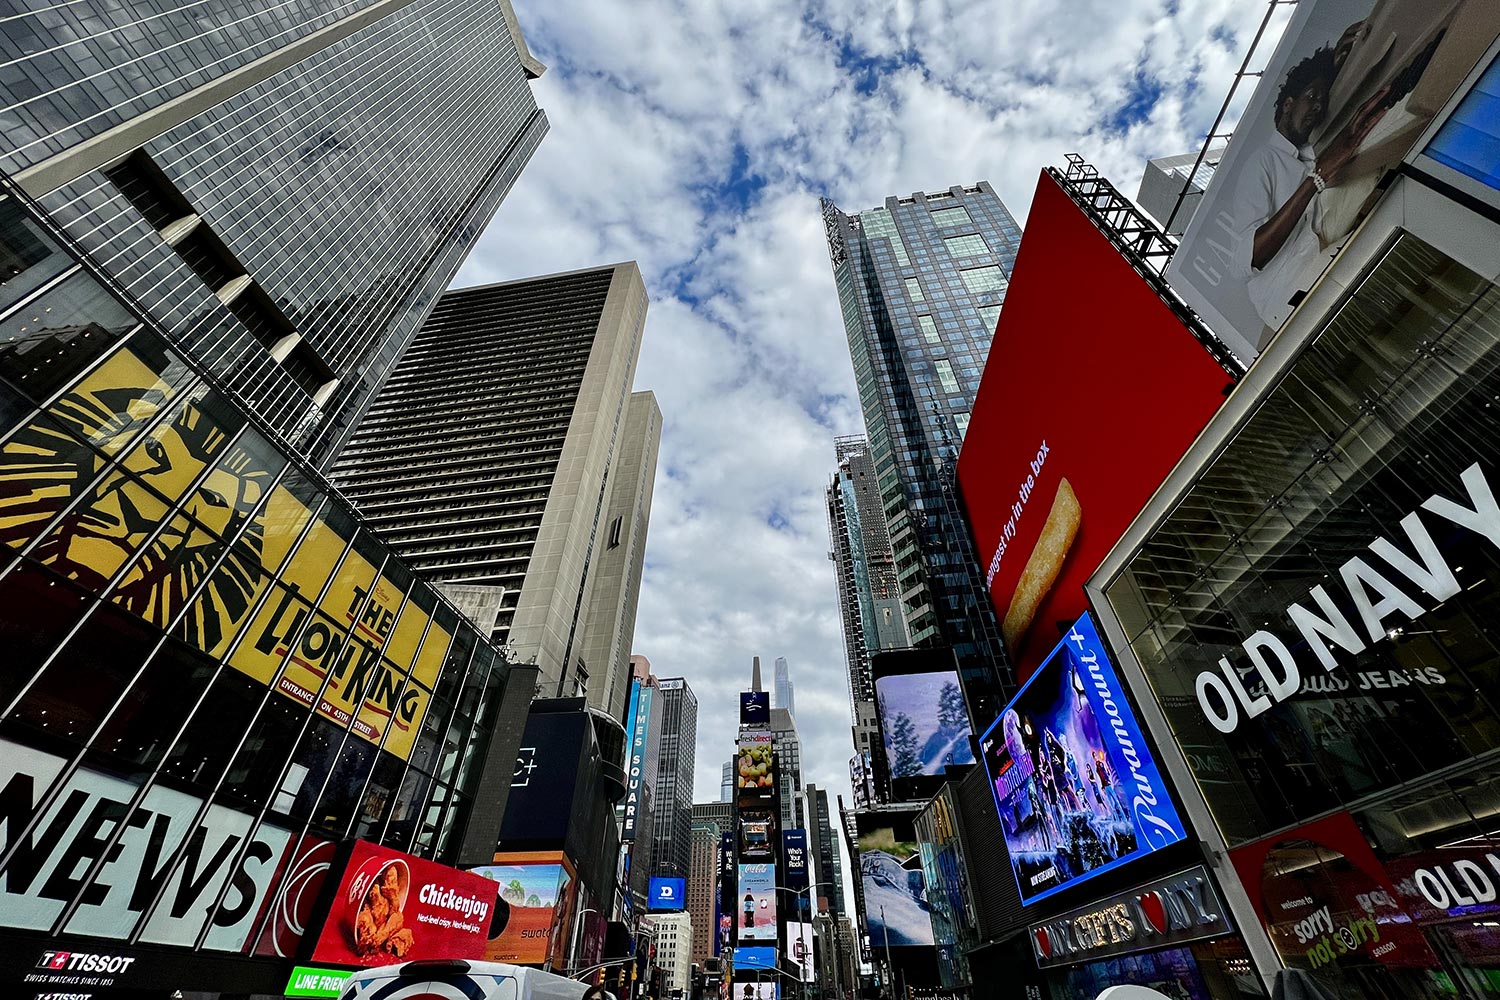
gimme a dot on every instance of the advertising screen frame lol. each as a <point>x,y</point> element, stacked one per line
<point>518,941</point>
<point>909,676</point>
<point>755,708</point>
<point>1049,487</point>
<point>1117,736</point>
<point>666,892</point>
<point>757,883</point>
<point>755,749</point>
<point>1371,45</point>
<point>889,856</point>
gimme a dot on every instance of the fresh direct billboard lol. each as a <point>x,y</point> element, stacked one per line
<point>534,893</point>
<point>923,721</point>
<point>755,768</point>
<point>1087,401</point>
<point>1076,786</point>
<point>757,902</point>
<point>394,907</point>
<point>1349,89</point>
<point>667,893</point>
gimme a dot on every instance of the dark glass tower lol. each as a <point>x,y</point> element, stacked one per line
<point>672,849</point>
<point>287,188</point>
<point>920,282</point>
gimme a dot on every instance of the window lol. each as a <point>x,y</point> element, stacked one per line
<point>989,315</point>
<point>945,375</point>
<point>979,280</point>
<point>614,531</point>
<point>966,246</point>
<point>951,217</point>
<point>914,290</point>
<point>929,329</point>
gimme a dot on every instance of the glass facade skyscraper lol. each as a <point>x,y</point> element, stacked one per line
<point>287,189</point>
<point>220,223</point>
<point>671,850</point>
<point>920,282</point>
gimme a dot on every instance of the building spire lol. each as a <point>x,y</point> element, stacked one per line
<point>755,673</point>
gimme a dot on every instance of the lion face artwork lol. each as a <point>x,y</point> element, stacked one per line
<point>92,484</point>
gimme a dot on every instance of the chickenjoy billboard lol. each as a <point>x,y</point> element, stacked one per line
<point>1092,392</point>
<point>394,907</point>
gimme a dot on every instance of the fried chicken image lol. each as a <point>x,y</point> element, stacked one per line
<point>379,925</point>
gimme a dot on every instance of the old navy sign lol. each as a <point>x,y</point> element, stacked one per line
<point>1381,590</point>
<point>1172,911</point>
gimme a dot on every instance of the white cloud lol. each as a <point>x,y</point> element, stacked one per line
<point>655,108</point>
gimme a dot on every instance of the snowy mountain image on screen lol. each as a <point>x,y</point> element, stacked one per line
<point>924,723</point>
<point>895,902</point>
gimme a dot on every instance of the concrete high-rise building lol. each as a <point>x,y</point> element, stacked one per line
<point>673,935</point>
<point>786,694</point>
<point>507,459</point>
<point>1165,181</point>
<point>219,226</point>
<point>824,849</point>
<point>920,282</point>
<point>787,748</point>
<point>671,852</point>
<point>703,882</point>
<point>287,189</point>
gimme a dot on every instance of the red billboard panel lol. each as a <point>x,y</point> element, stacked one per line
<point>393,907</point>
<point>1092,392</point>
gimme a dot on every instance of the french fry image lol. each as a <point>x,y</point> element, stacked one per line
<point>1045,563</point>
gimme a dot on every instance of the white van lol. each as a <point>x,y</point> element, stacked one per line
<point>459,979</point>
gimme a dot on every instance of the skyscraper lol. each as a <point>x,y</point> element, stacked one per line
<point>920,282</point>
<point>726,781</point>
<point>703,882</point>
<point>218,227</point>
<point>786,695</point>
<point>787,747</point>
<point>824,849</point>
<point>507,458</point>
<point>671,852</point>
<point>286,188</point>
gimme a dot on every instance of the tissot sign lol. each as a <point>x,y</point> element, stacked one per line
<point>1172,911</point>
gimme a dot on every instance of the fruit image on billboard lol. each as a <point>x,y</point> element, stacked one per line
<point>757,903</point>
<point>755,767</point>
<point>1349,89</point>
<point>1077,789</point>
<point>1087,402</point>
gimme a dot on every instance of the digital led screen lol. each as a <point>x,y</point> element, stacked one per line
<point>924,723</point>
<point>534,897</point>
<point>1075,784</point>
<point>667,893</point>
<point>756,957</point>
<point>757,903</point>
<point>755,708</point>
<point>896,909</point>
<point>755,768</point>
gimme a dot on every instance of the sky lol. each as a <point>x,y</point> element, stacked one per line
<point>696,139</point>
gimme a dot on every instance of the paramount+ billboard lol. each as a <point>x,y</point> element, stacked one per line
<point>1092,392</point>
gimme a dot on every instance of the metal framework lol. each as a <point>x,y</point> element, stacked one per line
<point>1143,243</point>
<point>1213,132</point>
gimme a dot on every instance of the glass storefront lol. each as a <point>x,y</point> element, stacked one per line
<point>210,667</point>
<point>1317,619</point>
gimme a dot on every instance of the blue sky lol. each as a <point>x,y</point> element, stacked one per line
<point>696,139</point>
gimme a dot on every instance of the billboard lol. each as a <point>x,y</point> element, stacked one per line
<point>794,857</point>
<point>639,715</point>
<point>755,708</point>
<point>1060,456</point>
<point>758,834</point>
<point>1349,89</point>
<point>1075,783</point>
<point>358,652</point>
<point>393,907</point>
<point>533,892</point>
<point>896,909</point>
<point>723,887</point>
<point>755,991</point>
<point>666,893</point>
<point>755,766</point>
<point>539,811</point>
<point>799,948</point>
<point>924,723</point>
<point>757,903</point>
<point>758,957</point>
